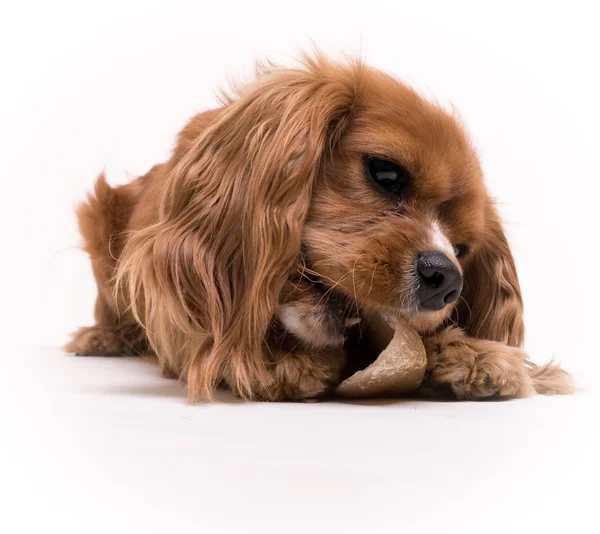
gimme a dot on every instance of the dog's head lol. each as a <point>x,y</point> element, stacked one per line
<point>377,190</point>
<point>400,218</point>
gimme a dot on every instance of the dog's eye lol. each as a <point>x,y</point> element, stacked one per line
<point>460,250</point>
<point>388,175</point>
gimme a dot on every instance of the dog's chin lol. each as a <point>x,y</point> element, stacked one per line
<point>426,322</point>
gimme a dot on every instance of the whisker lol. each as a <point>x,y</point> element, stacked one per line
<point>354,282</point>
<point>372,279</point>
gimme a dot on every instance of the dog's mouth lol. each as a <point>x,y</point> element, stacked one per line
<point>367,333</point>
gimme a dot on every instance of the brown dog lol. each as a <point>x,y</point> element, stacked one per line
<point>314,197</point>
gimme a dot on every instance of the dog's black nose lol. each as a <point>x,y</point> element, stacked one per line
<point>440,281</point>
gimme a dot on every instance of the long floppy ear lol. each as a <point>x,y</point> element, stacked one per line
<point>491,305</point>
<point>205,279</point>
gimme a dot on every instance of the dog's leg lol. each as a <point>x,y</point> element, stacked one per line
<point>305,349</point>
<point>304,355</point>
<point>304,375</point>
<point>475,369</point>
<point>122,339</point>
<point>297,374</point>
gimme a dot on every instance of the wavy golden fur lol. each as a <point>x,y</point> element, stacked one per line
<point>251,256</point>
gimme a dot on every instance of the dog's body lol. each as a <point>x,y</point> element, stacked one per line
<point>318,196</point>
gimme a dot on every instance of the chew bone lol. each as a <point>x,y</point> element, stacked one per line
<point>398,370</point>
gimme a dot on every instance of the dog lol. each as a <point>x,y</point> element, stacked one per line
<point>315,197</point>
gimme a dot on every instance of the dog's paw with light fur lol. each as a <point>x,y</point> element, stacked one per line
<point>475,369</point>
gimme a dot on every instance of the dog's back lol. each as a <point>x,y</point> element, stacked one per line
<point>105,220</point>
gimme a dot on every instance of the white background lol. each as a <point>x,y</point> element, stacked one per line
<point>99,444</point>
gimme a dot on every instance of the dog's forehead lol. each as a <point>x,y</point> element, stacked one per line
<point>396,122</point>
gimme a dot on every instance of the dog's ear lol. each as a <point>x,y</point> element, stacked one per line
<point>491,306</point>
<point>207,276</point>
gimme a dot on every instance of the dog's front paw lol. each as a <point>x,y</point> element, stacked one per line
<point>293,373</point>
<point>475,369</point>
